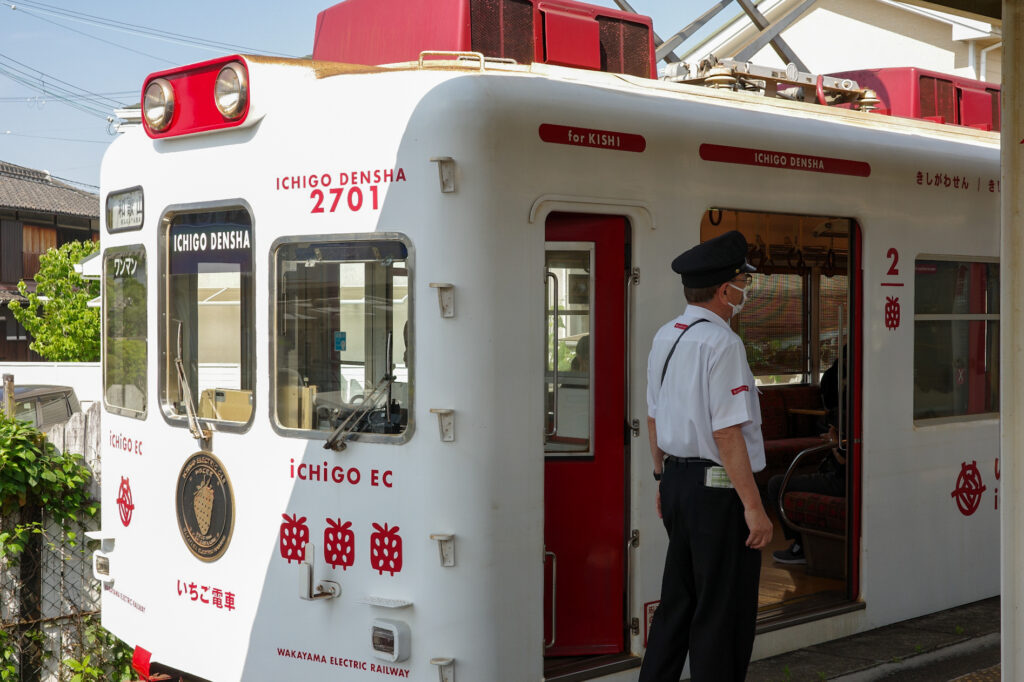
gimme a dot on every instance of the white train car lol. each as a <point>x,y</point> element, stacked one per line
<point>375,345</point>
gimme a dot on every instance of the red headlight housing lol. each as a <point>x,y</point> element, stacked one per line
<point>195,99</point>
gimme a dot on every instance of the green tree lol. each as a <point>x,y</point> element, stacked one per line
<point>57,315</point>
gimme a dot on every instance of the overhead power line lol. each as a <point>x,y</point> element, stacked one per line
<point>31,83</point>
<point>157,34</point>
<point>86,101</point>
<point>70,90</point>
<point>29,99</point>
<point>57,139</point>
<point>75,182</point>
<point>38,81</point>
<point>89,35</point>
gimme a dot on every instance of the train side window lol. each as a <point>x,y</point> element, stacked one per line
<point>342,338</point>
<point>569,362</point>
<point>956,338</point>
<point>124,331</point>
<point>209,330</point>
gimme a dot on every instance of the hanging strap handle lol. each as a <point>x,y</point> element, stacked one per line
<point>685,329</point>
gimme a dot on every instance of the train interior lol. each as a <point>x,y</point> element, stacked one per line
<point>796,328</point>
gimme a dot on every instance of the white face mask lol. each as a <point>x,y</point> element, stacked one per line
<point>738,306</point>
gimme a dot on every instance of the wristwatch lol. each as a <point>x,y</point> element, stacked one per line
<point>657,476</point>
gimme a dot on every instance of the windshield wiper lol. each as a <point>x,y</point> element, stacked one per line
<point>194,425</point>
<point>336,441</point>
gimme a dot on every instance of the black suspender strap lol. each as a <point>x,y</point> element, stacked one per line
<point>685,329</point>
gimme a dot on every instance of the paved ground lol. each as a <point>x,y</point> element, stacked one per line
<point>960,644</point>
<point>987,675</point>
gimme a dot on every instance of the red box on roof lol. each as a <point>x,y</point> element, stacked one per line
<point>561,32</point>
<point>917,93</point>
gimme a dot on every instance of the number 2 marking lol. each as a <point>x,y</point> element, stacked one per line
<point>895,256</point>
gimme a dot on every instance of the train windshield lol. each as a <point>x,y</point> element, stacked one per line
<point>342,336</point>
<point>210,316</point>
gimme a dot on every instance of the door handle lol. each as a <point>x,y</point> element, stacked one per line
<point>554,596</point>
<point>632,280</point>
<point>554,362</point>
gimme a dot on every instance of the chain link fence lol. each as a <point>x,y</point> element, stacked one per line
<point>49,600</point>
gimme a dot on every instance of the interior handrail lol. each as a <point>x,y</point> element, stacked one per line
<point>814,449</point>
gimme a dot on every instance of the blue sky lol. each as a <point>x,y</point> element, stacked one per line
<point>61,44</point>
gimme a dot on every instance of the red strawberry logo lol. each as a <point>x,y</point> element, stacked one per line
<point>892,312</point>
<point>294,536</point>
<point>339,544</point>
<point>386,549</point>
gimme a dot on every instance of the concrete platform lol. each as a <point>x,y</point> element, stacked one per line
<point>958,644</point>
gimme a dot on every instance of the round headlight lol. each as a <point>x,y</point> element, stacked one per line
<point>158,104</point>
<point>232,90</point>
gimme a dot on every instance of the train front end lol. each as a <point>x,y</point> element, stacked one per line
<point>278,501</point>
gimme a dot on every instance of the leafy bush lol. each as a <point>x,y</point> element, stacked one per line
<point>34,475</point>
<point>104,658</point>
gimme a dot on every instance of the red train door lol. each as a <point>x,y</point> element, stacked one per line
<point>584,469</point>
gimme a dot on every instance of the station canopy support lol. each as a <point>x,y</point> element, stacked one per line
<point>769,31</point>
<point>1011,343</point>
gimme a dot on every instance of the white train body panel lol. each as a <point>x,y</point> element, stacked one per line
<point>917,552</point>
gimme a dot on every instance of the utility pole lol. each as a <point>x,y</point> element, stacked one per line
<point>9,395</point>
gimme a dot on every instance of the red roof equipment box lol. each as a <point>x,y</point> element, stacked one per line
<point>560,32</point>
<point>916,93</point>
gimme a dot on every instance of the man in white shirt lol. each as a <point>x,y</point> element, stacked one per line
<point>704,421</point>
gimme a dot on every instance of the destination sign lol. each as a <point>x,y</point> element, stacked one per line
<point>125,210</point>
<point>210,248</point>
<point>785,160</point>
<point>590,137</point>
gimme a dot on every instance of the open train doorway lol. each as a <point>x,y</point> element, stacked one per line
<point>800,330</point>
<point>585,447</point>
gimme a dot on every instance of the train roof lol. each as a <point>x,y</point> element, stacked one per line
<point>469,64</point>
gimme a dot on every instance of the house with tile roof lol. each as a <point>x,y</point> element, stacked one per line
<point>37,212</point>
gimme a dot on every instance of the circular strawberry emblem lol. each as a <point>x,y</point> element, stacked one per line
<point>205,506</point>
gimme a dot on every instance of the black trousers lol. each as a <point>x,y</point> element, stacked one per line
<point>709,588</point>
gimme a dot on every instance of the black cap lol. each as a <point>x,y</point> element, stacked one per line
<point>713,262</point>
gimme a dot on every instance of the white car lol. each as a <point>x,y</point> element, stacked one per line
<point>42,405</point>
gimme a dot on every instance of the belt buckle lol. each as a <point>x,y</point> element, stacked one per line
<point>716,477</point>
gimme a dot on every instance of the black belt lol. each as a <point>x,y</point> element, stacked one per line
<point>690,460</point>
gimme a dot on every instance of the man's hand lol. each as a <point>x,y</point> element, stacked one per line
<point>760,527</point>
<point>657,455</point>
<point>733,451</point>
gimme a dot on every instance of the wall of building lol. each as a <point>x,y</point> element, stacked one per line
<point>842,35</point>
<point>84,377</point>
